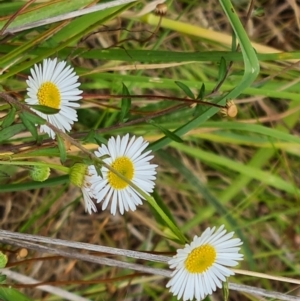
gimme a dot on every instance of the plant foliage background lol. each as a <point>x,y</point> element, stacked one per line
<point>213,170</point>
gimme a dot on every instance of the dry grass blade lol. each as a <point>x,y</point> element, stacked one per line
<point>67,16</point>
<point>46,288</point>
<point>23,240</point>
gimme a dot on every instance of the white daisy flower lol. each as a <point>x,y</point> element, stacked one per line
<point>201,266</point>
<point>125,156</point>
<point>81,175</point>
<point>54,85</point>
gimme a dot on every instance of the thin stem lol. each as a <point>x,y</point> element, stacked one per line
<point>163,97</point>
<point>34,163</point>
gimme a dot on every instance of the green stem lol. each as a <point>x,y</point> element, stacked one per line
<point>26,163</point>
<point>153,203</point>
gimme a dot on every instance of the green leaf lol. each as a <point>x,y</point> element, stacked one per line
<point>222,69</point>
<point>159,56</point>
<point>29,125</point>
<point>61,148</point>
<point>6,133</point>
<point>125,104</point>
<point>34,185</point>
<point>185,89</point>
<point>199,107</point>
<point>40,12</point>
<point>2,278</point>
<point>90,137</point>
<point>167,133</point>
<point>163,206</point>
<point>10,294</point>
<point>100,139</point>
<point>233,43</point>
<point>3,175</point>
<point>45,109</point>
<point>201,92</point>
<point>98,170</point>
<point>33,118</point>
<point>3,260</point>
<point>9,118</point>
<point>9,8</point>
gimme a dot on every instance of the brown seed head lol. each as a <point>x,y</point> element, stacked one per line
<point>22,253</point>
<point>161,9</point>
<point>230,109</point>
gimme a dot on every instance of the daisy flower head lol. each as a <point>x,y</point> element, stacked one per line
<point>53,84</point>
<point>81,176</point>
<point>202,266</point>
<point>126,157</point>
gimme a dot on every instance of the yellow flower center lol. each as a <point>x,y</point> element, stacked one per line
<point>200,259</point>
<point>48,95</point>
<point>124,166</point>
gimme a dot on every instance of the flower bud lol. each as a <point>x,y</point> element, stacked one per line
<point>39,173</point>
<point>77,174</point>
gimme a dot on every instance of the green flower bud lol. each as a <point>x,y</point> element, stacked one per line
<point>39,173</point>
<point>77,174</point>
<point>3,260</point>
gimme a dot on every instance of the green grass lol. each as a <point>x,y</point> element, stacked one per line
<point>240,172</point>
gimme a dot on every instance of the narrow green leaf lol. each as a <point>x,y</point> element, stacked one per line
<point>34,185</point>
<point>222,69</point>
<point>100,139</point>
<point>3,175</point>
<point>9,132</point>
<point>9,8</point>
<point>48,152</point>
<point>10,294</point>
<point>33,118</point>
<point>262,176</point>
<point>158,56</point>
<point>29,125</point>
<point>125,104</point>
<point>2,278</point>
<point>90,137</point>
<point>164,207</point>
<point>185,89</point>
<point>201,92</point>
<point>45,109</point>
<point>199,107</point>
<point>9,118</point>
<point>61,148</point>
<point>199,110</point>
<point>98,170</point>
<point>233,43</point>
<point>167,133</point>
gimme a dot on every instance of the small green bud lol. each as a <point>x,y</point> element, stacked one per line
<point>3,260</point>
<point>39,173</point>
<point>77,174</point>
